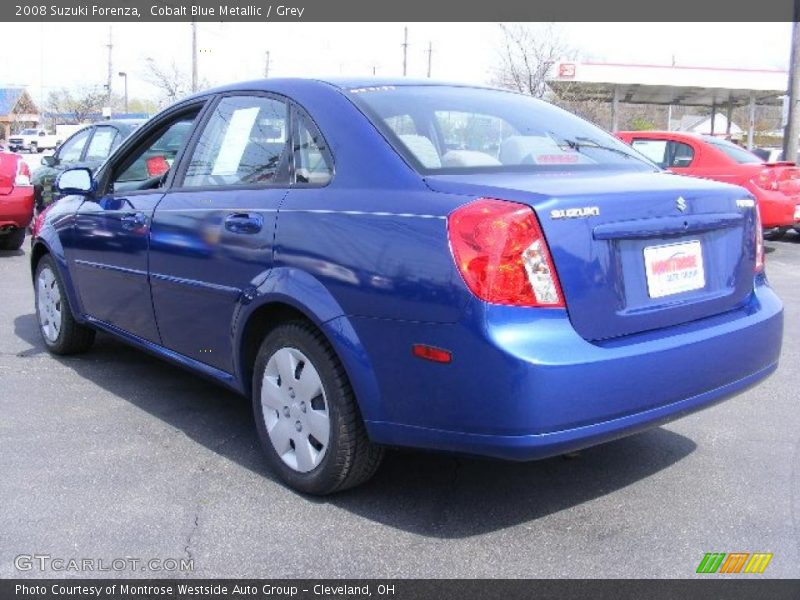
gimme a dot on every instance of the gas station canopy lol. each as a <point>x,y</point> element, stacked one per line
<point>669,85</point>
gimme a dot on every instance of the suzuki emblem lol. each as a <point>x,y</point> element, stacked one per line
<point>681,204</point>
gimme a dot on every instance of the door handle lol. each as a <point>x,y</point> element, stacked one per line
<point>244,223</point>
<point>133,220</point>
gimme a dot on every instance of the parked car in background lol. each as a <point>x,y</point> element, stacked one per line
<point>88,147</point>
<point>768,155</point>
<point>776,186</point>
<point>16,200</point>
<point>33,140</point>
<point>403,263</point>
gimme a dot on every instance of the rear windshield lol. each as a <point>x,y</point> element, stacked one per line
<point>448,129</point>
<point>737,153</point>
<point>28,132</point>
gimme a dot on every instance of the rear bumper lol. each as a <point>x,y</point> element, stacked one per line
<point>777,209</point>
<point>16,208</point>
<point>537,390</point>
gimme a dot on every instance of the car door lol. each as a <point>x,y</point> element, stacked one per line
<point>108,254</point>
<point>212,234</point>
<point>69,155</point>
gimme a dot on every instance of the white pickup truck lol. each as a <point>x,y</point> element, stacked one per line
<point>33,140</point>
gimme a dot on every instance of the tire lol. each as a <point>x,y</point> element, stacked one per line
<point>34,148</point>
<point>13,240</point>
<point>289,417</point>
<point>774,235</point>
<point>58,328</point>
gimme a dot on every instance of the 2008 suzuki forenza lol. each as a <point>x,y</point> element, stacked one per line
<point>409,264</point>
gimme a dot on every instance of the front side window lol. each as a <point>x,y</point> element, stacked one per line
<point>655,150</point>
<point>244,143</point>
<point>460,128</point>
<point>147,167</point>
<point>71,150</point>
<point>312,162</point>
<point>101,144</point>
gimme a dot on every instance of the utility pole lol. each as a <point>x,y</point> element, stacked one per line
<point>405,51</point>
<point>124,75</point>
<point>792,131</point>
<point>194,56</point>
<point>266,65</point>
<point>110,47</point>
<point>430,54</point>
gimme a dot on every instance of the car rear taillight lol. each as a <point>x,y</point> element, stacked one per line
<point>38,222</point>
<point>501,253</point>
<point>759,235</point>
<point>23,176</point>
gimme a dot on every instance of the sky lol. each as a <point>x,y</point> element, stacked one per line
<point>463,52</point>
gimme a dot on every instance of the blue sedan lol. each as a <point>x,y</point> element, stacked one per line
<point>400,263</point>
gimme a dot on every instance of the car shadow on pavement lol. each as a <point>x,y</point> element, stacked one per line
<point>5,253</point>
<point>428,494</point>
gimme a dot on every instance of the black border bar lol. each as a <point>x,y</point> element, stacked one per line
<point>711,588</point>
<point>397,11</point>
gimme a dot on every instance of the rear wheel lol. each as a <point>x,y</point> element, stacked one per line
<point>306,413</point>
<point>60,332</point>
<point>13,240</point>
<point>774,235</point>
<point>34,148</point>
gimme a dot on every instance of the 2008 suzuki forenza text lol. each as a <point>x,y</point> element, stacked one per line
<point>399,263</point>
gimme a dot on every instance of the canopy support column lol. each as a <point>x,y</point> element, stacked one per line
<point>751,121</point>
<point>713,115</point>
<point>729,118</point>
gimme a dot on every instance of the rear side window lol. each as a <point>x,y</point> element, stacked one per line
<point>243,143</point>
<point>312,159</point>
<point>682,155</point>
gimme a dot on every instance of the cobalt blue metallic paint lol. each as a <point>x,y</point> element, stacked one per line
<point>181,273</point>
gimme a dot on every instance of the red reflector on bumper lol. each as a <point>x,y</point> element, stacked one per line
<point>431,353</point>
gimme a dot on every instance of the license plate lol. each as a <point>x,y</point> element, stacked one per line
<point>674,268</point>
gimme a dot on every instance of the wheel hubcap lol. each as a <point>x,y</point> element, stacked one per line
<point>48,304</point>
<point>295,409</point>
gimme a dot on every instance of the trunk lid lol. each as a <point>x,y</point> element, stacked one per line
<point>633,251</point>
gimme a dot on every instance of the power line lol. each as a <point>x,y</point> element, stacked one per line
<point>405,51</point>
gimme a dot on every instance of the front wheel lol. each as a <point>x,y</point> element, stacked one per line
<point>34,148</point>
<point>61,333</point>
<point>306,413</point>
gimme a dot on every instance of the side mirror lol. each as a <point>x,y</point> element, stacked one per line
<point>49,161</point>
<point>76,182</point>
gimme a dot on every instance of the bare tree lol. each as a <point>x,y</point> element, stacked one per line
<point>170,80</point>
<point>527,54</point>
<point>76,105</point>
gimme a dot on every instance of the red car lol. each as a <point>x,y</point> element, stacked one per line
<point>776,186</point>
<point>16,200</point>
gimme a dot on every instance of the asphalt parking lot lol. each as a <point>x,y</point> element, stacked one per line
<point>116,454</point>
